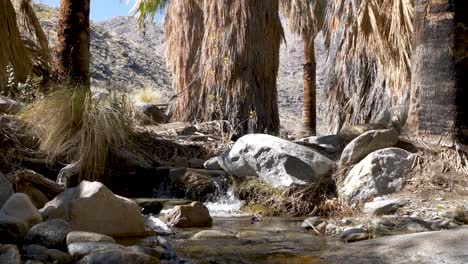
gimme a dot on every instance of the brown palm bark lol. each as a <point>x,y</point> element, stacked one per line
<point>239,65</point>
<point>184,34</point>
<point>72,50</point>
<point>309,115</point>
<point>438,111</point>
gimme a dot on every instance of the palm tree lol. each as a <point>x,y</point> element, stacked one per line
<point>239,58</point>
<point>72,49</point>
<point>439,113</point>
<point>305,17</point>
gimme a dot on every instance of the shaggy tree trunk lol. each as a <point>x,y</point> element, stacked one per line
<point>309,115</point>
<point>439,112</point>
<point>184,34</point>
<point>239,64</point>
<point>72,50</point>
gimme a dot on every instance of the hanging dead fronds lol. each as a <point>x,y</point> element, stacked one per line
<point>240,59</point>
<point>184,35</point>
<point>12,48</point>
<point>305,17</point>
<point>33,37</point>
<point>365,72</point>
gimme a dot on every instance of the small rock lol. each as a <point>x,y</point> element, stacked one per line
<point>439,199</point>
<point>35,252</point>
<point>9,254</point>
<point>81,249</point>
<point>80,236</point>
<point>196,163</point>
<point>367,143</point>
<point>149,114</point>
<point>158,226</point>
<point>348,133</point>
<point>149,206</point>
<point>116,256</point>
<point>59,257</point>
<point>194,215</point>
<point>93,207</point>
<point>51,234</point>
<point>6,190</point>
<point>213,234</point>
<point>352,234</point>
<point>383,207</point>
<point>314,221</point>
<point>332,229</point>
<point>212,164</point>
<point>19,206</point>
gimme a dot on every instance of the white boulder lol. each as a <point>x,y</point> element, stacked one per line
<point>381,172</point>
<point>93,207</point>
<point>277,161</point>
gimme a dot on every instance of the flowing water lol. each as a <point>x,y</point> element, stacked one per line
<point>271,240</point>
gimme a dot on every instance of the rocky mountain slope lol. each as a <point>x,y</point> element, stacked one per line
<point>124,57</point>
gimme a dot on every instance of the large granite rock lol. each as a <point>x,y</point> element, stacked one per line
<point>93,207</point>
<point>6,190</point>
<point>380,173</point>
<point>19,206</point>
<point>194,215</point>
<point>367,143</point>
<point>275,160</point>
<point>428,248</point>
<point>51,234</point>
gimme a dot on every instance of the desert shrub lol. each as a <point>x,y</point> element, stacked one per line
<point>148,95</point>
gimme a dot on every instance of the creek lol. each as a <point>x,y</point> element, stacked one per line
<point>271,240</point>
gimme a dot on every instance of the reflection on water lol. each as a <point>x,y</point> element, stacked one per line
<point>274,240</point>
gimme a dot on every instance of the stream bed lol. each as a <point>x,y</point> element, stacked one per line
<point>273,240</point>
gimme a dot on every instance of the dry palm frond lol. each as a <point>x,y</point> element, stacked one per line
<point>12,48</point>
<point>368,46</point>
<point>73,127</point>
<point>34,37</point>
<point>305,17</point>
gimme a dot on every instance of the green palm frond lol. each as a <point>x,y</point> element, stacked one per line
<point>146,9</point>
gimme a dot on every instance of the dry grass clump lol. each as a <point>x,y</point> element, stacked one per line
<point>297,200</point>
<point>73,127</point>
<point>148,95</point>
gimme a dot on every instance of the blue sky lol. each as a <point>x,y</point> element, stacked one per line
<point>104,9</point>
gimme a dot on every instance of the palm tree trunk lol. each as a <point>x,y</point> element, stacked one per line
<point>184,34</point>
<point>72,50</point>
<point>240,59</point>
<point>438,111</point>
<point>309,115</point>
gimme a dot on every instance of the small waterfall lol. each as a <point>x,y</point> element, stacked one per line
<point>226,206</point>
